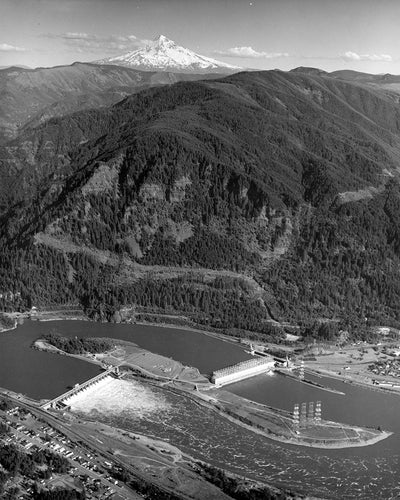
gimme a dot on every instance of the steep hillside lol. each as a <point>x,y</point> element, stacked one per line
<point>236,202</point>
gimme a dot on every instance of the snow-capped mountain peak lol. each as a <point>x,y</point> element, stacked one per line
<point>163,41</point>
<point>163,54</point>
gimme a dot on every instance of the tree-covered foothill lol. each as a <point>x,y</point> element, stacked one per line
<point>345,259</point>
<point>223,303</point>
<point>270,176</point>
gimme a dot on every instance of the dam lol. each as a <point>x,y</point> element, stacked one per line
<point>242,370</point>
<point>62,400</point>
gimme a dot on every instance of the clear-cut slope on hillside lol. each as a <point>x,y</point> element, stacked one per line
<point>163,54</point>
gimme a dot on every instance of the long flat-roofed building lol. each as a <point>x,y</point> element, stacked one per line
<point>242,370</point>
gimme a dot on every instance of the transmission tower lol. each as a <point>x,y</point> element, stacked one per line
<point>296,415</point>
<point>318,411</point>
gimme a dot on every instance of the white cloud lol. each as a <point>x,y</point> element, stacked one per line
<point>353,56</point>
<point>74,36</point>
<point>86,42</point>
<point>5,47</point>
<point>250,53</point>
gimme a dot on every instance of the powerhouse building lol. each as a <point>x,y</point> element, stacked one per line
<point>242,370</point>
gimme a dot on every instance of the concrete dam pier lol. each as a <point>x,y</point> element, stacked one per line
<point>242,370</point>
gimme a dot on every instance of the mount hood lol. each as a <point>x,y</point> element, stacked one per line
<point>163,54</point>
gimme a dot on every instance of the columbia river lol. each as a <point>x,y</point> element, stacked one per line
<point>366,472</point>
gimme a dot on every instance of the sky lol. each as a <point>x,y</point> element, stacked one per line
<point>362,35</point>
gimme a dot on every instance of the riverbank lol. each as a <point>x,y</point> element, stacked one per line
<point>8,328</point>
<point>354,381</point>
<point>78,314</point>
<point>68,313</point>
<point>273,423</point>
<point>7,323</point>
<point>352,364</point>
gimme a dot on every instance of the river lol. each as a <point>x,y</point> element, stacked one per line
<point>40,375</point>
<point>367,472</point>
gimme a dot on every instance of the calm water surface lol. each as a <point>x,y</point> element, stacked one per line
<point>367,472</point>
<point>42,375</point>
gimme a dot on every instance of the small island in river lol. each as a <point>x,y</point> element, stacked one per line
<point>131,362</point>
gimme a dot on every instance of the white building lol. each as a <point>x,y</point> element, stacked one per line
<point>242,370</point>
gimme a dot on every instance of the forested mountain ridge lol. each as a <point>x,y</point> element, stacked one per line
<point>383,82</point>
<point>29,97</point>
<point>261,195</point>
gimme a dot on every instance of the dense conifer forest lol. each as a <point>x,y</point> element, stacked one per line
<point>78,346</point>
<point>240,203</point>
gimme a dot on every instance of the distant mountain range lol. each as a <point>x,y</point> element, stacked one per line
<point>29,97</point>
<point>163,54</point>
<point>19,66</point>
<point>384,81</point>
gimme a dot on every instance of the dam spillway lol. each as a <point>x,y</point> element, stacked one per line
<point>242,370</point>
<point>63,399</point>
